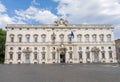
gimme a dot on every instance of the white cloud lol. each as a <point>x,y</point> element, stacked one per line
<point>2,8</point>
<point>79,11</point>
<point>90,11</point>
<point>33,13</point>
<point>4,18</point>
<point>75,11</point>
<point>34,2</point>
<point>26,16</point>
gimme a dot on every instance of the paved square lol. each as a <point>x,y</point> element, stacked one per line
<point>60,73</point>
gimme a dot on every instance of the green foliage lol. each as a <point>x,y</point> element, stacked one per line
<point>2,44</point>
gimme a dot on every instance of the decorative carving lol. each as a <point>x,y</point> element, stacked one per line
<point>95,50</point>
<point>80,51</point>
<point>35,52</point>
<point>43,52</point>
<point>27,51</point>
<point>10,52</point>
<point>62,49</point>
<point>18,52</point>
<point>61,22</point>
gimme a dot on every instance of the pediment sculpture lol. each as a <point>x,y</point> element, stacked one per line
<point>61,22</point>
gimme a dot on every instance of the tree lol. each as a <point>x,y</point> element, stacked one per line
<point>2,44</point>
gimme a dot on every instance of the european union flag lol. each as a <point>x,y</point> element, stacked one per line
<point>72,34</point>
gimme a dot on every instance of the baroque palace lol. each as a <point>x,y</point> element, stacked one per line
<point>60,43</point>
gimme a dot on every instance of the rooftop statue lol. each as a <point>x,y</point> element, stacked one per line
<point>61,22</point>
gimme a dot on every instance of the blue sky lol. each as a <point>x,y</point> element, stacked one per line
<point>47,11</point>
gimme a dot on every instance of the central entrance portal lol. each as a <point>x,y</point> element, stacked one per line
<point>62,58</point>
<point>96,58</point>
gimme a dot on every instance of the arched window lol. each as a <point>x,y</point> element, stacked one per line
<point>53,37</point>
<point>19,37</point>
<point>86,38</point>
<point>101,38</point>
<point>35,38</point>
<point>79,37</point>
<point>108,37</point>
<point>43,36</point>
<point>94,38</point>
<point>11,37</point>
<point>27,38</point>
<point>69,38</point>
<point>61,37</point>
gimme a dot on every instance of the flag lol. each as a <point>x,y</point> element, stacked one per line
<point>72,34</point>
<point>53,36</point>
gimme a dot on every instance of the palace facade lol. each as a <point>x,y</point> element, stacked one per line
<point>60,43</point>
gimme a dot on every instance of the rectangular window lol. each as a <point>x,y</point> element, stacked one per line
<point>88,55</point>
<point>36,39</point>
<point>27,48</point>
<point>70,48</point>
<point>11,48</point>
<point>43,39</point>
<point>11,56</point>
<point>69,39</point>
<point>28,39</point>
<point>108,38</point>
<point>43,48</point>
<point>35,56</point>
<point>19,56</point>
<point>94,39</point>
<point>53,56</point>
<point>119,50</point>
<point>103,55</point>
<point>79,39</point>
<point>87,48</point>
<point>110,54</point>
<point>53,48</point>
<point>35,48</point>
<point>43,56</point>
<point>102,38</point>
<point>20,39</point>
<point>62,39</point>
<point>80,55</point>
<point>19,48</point>
<point>87,39</point>
<point>12,39</point>
<point>12,28</point>
<point>70,55</point>
<point>80,48</point>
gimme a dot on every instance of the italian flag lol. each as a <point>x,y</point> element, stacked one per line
<point>53,36</point>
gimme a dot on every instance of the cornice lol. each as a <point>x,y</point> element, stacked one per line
<point>70,26</point>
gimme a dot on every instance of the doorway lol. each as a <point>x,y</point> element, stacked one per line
<point>27,59</point>
<point>62,58</point>
<point>96,58</point>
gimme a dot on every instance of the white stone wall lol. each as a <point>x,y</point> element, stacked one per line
<point>66,30</point>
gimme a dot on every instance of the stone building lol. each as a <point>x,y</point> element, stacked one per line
<point>60,43</point>
<point>117,44</point>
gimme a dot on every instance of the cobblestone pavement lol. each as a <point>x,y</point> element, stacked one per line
<point>60,73</point>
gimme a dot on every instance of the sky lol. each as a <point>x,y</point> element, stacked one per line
<point>47,11</point>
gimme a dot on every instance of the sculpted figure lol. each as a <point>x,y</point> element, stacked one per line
<point>61,22</point>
